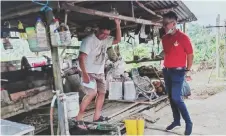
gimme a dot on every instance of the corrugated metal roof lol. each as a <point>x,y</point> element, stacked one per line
<point>184,14</point>
<point>78,20</point>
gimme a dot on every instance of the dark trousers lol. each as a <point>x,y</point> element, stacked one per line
<point>174,79</point>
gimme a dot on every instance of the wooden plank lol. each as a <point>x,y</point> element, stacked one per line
<point>24,94</point>
<point>119,112</point>
<point>91,112</point>
<point>127,113</point>
<point>140,99</point>
<point>107,110</point>
<point>106,14</point>
<point>155,101</point>
<point>24,110</point>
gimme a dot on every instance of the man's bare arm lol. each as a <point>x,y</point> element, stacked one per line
<point>189,61</point>
<point>81,58</point>
<point>118,32</point>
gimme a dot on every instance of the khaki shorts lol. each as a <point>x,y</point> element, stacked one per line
<point>101,84</point>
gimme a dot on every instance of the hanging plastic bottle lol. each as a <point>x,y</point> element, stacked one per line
<point>62,29</point>
<point>22,34</point>
<point>32,38</point>
<point>65,35</point>
<point>55,37</point>
<point>41,36</point>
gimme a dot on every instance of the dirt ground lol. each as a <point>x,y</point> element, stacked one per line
<point>206,106</point>
<point>204,84</point>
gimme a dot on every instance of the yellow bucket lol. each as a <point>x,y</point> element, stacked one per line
<point>134,127</point>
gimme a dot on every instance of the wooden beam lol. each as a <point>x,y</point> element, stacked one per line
<point>106,14</point>
<point>20,13</point>
<point>148,10</point>
<point>18,7</point>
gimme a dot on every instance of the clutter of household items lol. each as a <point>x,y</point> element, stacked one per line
<point>37,35</point>
<point>143,81</point>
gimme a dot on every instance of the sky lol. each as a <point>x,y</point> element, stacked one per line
<point>206,11</point>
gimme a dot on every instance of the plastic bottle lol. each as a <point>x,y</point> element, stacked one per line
<point>55,38</point>
<point>41,35</point>
<point>32,38</point>
<point>62,30</point>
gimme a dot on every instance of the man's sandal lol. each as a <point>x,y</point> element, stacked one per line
<point>81,125</point>
<point>101,119</point>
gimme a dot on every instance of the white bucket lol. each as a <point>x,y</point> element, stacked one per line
<point>129,91</point>
<point>115,91</point>
<point>72,100</point>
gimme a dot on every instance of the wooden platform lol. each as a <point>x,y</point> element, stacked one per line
<point>118,111</point>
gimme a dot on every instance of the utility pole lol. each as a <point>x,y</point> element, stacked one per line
<point>225,49</point>
<point>217,47</point>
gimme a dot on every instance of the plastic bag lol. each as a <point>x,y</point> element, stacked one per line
<point>119,68</point>
<point>186,90</point>
<point>7,44</point>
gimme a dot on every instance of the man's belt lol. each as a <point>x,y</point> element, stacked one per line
<point>176,68</point>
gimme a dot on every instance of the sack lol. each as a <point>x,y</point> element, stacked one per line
<point>186,90</point>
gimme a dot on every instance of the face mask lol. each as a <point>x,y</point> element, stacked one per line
<point>170,31</point>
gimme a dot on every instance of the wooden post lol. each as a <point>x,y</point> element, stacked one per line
<point>132,9</point>
<point>20,13</point>
<point>217,47</point>
<point>109,15</point>
<point>58,85</point>
<point>184,27</point>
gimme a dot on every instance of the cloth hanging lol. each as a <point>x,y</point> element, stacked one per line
<point>143,35</point>
<point>141,40</point>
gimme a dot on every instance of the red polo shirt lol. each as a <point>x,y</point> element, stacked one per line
<point>176,48</point>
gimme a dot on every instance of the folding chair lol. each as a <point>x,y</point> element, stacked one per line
<point>143,85</point>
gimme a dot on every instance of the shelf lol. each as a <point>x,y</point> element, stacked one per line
<point>143,60</point>
<point>67,47</point>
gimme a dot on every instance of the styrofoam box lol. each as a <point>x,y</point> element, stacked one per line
<point>14,128</point>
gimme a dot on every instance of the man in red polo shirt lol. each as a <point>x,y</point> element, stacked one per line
<point>177,61</point>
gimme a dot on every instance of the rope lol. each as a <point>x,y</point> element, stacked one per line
<point>45,6</point>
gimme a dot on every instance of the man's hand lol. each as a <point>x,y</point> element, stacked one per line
<point>118,32</point>
<point>117,21</point>
<point>85,78</point>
